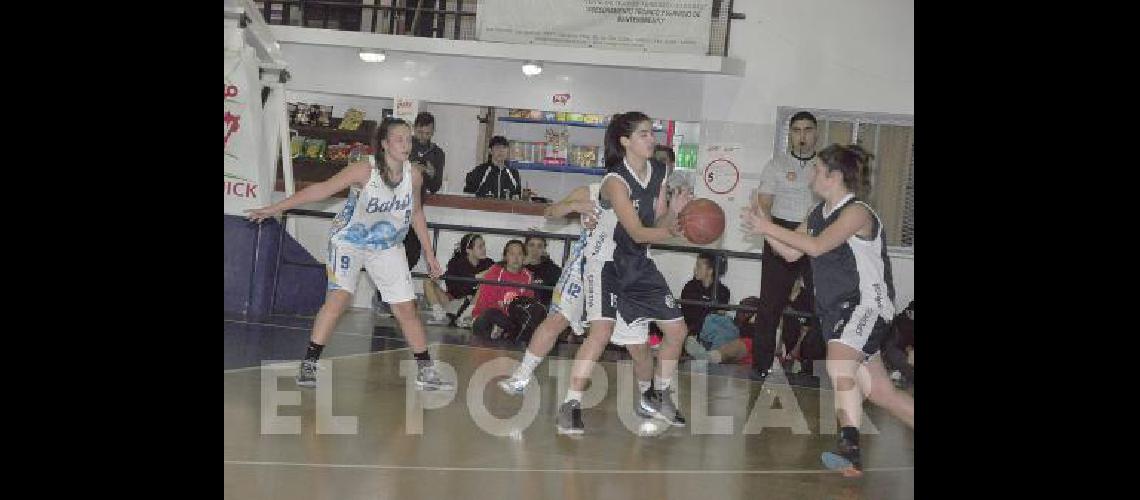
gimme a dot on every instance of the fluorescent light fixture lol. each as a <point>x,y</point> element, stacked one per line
<point>372,56</point>
<point>531,68</point>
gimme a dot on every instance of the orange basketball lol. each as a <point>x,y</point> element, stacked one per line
<point>702,221</point>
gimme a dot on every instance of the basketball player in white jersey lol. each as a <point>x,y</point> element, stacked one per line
<point>854,295</point>
<point>369,232</point>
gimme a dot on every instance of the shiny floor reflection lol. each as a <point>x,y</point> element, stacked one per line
<point>281,442</point>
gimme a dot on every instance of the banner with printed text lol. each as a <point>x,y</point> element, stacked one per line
<point>246,186</point>
<point>674,26</point>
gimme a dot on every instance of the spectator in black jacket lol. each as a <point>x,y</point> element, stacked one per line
<point>494,178</point>
<point>427,153</point>
<point>469,260</point>
<point>705,277</point>
<point>546,272</point>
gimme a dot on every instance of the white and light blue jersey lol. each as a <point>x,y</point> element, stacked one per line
<point>376,217</point>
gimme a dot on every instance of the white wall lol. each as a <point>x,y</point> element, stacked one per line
<point>457,131</point>
<point>488,82</point>
<point>834,54</point>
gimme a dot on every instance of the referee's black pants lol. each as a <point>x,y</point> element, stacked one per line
<point>777,277</point>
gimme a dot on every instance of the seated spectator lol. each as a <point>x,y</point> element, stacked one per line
<point>720,340</point>
<point>802,339</point>
<point>800,335</point>
<point>706,277</point>
<point>700,288</point>
<point>720,343</point>
<point>545,271</point>
<point>491,301</point>
<point>898,348</point>
<point>468,260</point>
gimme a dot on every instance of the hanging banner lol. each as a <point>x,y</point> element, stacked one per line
<point>674,26</point>
<point>245,185</point>
<point>407,109</point>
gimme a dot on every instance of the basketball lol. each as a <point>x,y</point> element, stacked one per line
<point>702,221</point>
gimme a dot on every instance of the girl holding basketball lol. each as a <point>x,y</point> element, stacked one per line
<point>628,287</point>
<point>369,232</point>
<point>568,307</point>
<point>854,295</point>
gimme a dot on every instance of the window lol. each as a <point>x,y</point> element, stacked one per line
<point>891,139</point>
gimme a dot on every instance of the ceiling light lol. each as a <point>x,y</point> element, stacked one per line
<point>372,56</point>
<point>531,68</point>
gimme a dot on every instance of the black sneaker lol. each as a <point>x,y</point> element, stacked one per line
<point>307,373</point>
<point>758,375</point>
<point>570,418</point>
<point>846,459</point>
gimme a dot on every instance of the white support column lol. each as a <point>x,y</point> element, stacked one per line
<point>276,127</point>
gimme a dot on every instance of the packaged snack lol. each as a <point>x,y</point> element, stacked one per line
<point>359,151</point>
<point>339,152</point>
<point>297,145</point>
<point>352,119</point>
<point>324,115</point>
<point>315,148</point>
<point>588,157</point>
<point>302,116</point>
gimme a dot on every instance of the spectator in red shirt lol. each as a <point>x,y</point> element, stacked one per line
<point>491,301</point>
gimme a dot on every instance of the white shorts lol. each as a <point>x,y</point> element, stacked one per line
<point>569,297</point>
<point>388,269</point>
<point>626,334</point>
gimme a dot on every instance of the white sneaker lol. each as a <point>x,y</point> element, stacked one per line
<point>427,379</point>
<point>513,386</point>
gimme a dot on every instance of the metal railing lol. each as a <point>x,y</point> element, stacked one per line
<point>566,241</point>
<point>451,19</point>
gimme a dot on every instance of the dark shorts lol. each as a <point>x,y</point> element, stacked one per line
<point>638,292</point>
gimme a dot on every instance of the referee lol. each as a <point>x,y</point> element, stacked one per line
<point>785,193</point>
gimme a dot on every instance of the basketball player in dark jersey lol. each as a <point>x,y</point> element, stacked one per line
<point>629,287</point>
<point>853,289</point>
